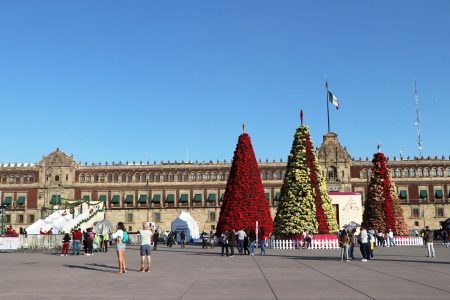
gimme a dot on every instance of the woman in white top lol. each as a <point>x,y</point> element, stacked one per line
<point>118,235</point>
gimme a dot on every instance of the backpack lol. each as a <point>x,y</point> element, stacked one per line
<point>125,237</point>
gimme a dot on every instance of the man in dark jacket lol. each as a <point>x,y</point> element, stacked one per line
<point>428,236</point>
<point>232,241</point>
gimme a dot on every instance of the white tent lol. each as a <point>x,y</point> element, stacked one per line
<point>186,223</point>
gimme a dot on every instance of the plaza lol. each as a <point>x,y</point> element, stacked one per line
<point>193,273</point>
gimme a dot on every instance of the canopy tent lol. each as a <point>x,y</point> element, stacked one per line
<point>185,222</point>
<point>103,227</point>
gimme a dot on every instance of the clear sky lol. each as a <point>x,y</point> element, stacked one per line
<point>147,80</point>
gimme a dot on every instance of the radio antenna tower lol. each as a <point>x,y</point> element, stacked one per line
<point>419,141</point>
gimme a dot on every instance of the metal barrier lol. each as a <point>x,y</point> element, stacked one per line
<point>40,243</point>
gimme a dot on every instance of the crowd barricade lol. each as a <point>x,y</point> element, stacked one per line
<point>334,243</point>
<point>40,242</point>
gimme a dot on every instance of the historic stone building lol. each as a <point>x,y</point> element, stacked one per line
<point>140,191</point>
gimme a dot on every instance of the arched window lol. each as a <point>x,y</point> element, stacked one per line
<point>116,177</point>
<point>101,177</point>
<point>130,177</point>
<point>448,171</point>
<point>151,177</point>
<point>363,173</point>
<point>221,176</point>
<point>193,176</point>
<point>110,177</point>
<point>30,178</point>
<point>17,179</point>
<point>207,176</point>
<point>405,173</point>
<point>264,175</point>
<point>124,177</point>
<point>82,178</point>
<point>213,176</point>
<point>137,177</point>
<point>269,175</point>
<point>440,172</point>
<point>398,173</point>
<point>419,172</point>
<point>392,173</point>
<point>185,176</point>
<point>199,176</point>
<point>412,172</point>
<point>25,179</point>
<point>179,176</point>
<point>157,177</point>
<point>144,177</point>
<point>171,177</point>
<point>433,172</point>
<point>283,173</point>
<point>95,177</point>
<point>165,177</point>
<point>426,172</point>
<point>227,174</point>
<point>88,177</point>
<point>332,174</point>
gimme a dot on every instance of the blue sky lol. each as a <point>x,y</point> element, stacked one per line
<point>147,80</point>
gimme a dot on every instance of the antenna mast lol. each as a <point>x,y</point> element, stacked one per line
<point>419,141</point>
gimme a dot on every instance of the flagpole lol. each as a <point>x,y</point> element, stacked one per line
<point>328,105</point>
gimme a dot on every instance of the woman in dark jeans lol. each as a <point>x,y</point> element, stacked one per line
<point>262,241</point>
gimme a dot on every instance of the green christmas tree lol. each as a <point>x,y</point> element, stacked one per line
<point>304,201</point>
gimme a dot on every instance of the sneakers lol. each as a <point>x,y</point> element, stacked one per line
<point>62,255</point>
<point>363,259</point>
<point>348,260</point>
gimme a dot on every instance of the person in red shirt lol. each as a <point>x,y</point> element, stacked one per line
<point>76,246</point>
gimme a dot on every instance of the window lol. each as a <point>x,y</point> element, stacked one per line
<point>283,173</point>
<point>165,177</point>
<point>207,176</point>
<point>264,175</point>
<point>171,177</point>
<point>185,177</point>
<point>227,174</point>
<point>30,219</point>
<point>4,179</point>
<point>440,172</point>
<point>221,177</point>
<point>88,178</point>
<point>157,177</point>
<point>392,173</point>
<point>130,228</point>
<point>269,175</point>
<point>193,177</point>
<point>124,177</point>
<point>31,178</point>
<point>448,171</point>
<point>82,178</point>
<point>415,213</point>
<point>151,177</point>
<point>212,216</point>
<point>95,177</point>
<point>110,177</point>
<point>25,179</point>
<point>213,176</point>
<point>419,172</point>
<point>405,173</point>
<point>116,177</point>
<point>426,172</point>
<point>144,177</point>
<point>137,177</point>
<point>8,219</point>
<point>439,212</point>
<point>179,177</point>
<point>101,177</point>
<point>20,219</point>
<point>67,177</point>
<point>17,179</point>
<point>398,173</point>
<point>199,176</point>
<point>129,217</point>
<point>130,177</point>
<point>157,217</point>
<point>433,172</point>
<point>412,172</point>
<point>416,223</point>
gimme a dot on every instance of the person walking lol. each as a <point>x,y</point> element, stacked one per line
<point>76,245</point>
<point>120,246</point>
<point>155,240</point>
<point>351,248</point>
<point>262,241</point>
<point>88,242</point>
<point>364,244</point>
<point>212,237</point>
<point>344,243</point>
<point>105,242</point>
<point>224,242</point>
<point>428,236</point>
<point>252,240</point>
<point>204,238</point>
<point>241,235</point>
<point>308,240</point>
<point>391,238</point>
<point>380,237</point>
<point>232,241</point>
<point>145,249</point>
<point>372,242</point>
<point>183,240</point>
<point>246,244</point>
<point>65,247</point>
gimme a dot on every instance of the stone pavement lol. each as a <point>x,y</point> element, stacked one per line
<point>193,273</point>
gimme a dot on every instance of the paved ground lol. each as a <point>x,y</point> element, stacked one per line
<point>193,273</point>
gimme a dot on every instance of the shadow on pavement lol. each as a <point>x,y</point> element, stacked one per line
<point>85,267</point>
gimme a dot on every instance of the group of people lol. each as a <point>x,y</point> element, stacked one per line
<point>88,238</point>
<point>245,242</point>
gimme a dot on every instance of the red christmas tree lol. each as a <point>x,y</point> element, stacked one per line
<point>244,202</point>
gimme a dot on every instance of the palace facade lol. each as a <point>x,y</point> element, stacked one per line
<point>142,191</point>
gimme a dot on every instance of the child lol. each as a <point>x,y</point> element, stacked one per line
<point>65,247</point>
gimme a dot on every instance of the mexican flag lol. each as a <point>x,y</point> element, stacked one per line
<point>332,98</point>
